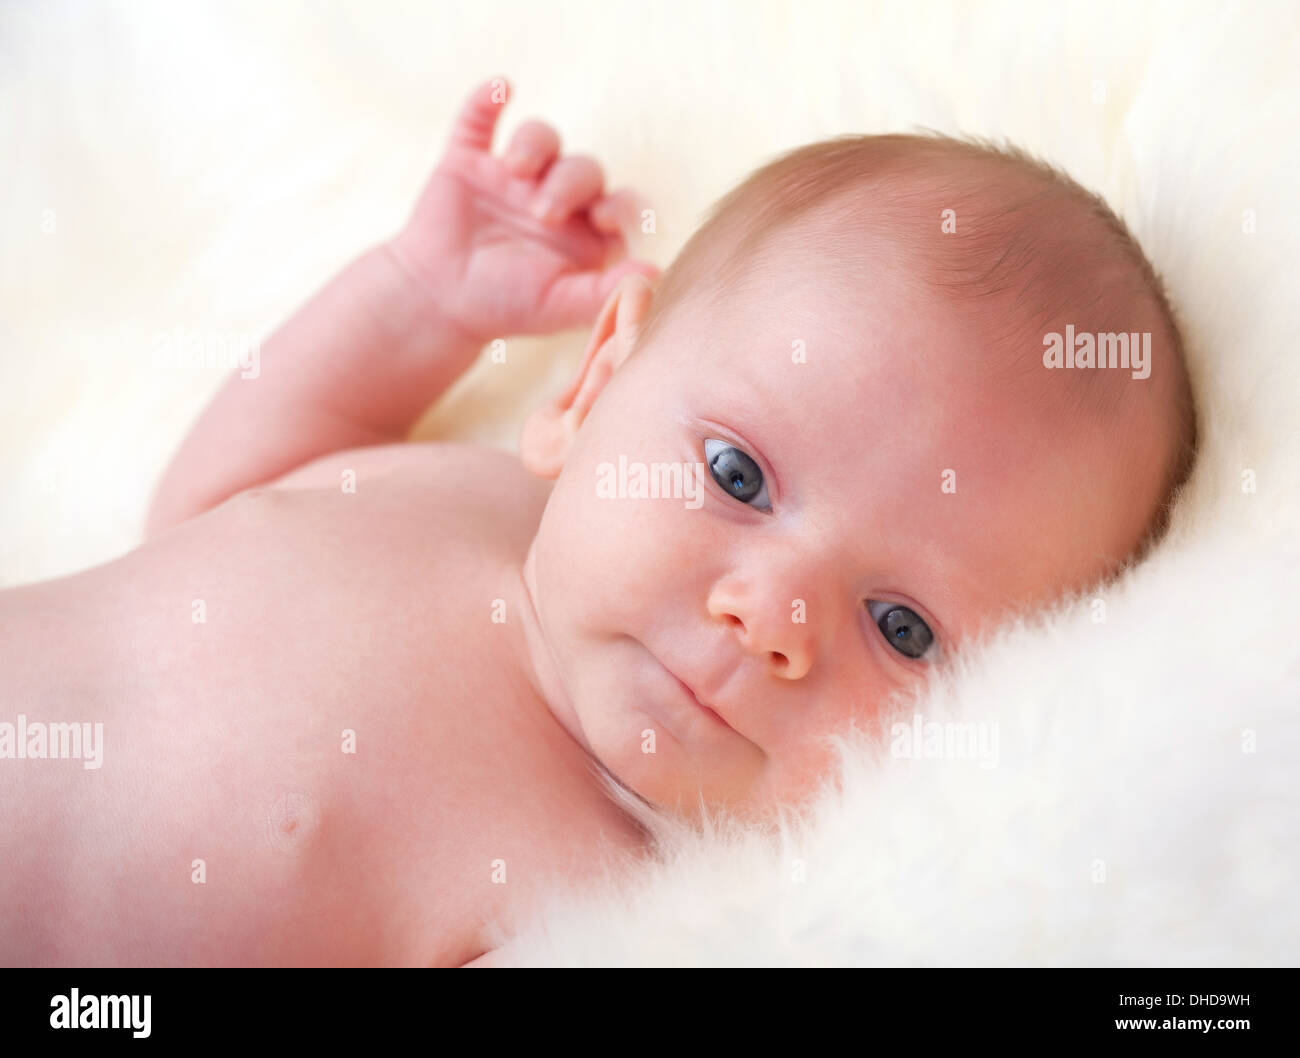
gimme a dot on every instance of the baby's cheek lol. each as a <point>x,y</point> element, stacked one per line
<point>800,761</point>
<point>577,544</point>
<point>795,776</point>
<point>632,545</point>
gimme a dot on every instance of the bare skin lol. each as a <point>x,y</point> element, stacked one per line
<point>325,612</point>
<point>624,622</point>
<point>224,739</point>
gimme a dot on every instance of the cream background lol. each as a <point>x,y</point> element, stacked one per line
<point>206,166</point>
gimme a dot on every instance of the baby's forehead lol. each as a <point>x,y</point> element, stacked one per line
<point>877,300</point>
<point>794,363</point>
<point>935,237</point>
<point>799,321</point>
<point>848,305</point>
<point>817,355</point>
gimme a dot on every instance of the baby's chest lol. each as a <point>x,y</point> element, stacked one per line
<point>348,684</point>
<point>378,671</point>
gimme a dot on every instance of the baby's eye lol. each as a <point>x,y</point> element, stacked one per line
<point>904,629</point>
<point>738,475</point>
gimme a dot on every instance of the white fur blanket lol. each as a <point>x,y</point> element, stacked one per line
<point>197,169</point>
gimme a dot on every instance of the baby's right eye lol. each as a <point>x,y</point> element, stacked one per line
<point>736,473</point>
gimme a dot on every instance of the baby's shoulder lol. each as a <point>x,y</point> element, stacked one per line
<point>476,465</point>
<point>482,493</point>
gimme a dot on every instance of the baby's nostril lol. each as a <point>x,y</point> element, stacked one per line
<point>780,660</point>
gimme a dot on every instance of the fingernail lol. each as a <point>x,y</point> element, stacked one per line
<point>545,210</point>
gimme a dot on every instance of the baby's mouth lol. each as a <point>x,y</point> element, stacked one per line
<point>688,692</point>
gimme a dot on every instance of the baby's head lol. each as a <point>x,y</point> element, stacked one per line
<point>855,353</point>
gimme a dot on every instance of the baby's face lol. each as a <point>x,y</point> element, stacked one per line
<point>876,484</point>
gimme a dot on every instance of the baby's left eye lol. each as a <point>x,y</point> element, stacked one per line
<point>906,631</point>
<point>737,473</point>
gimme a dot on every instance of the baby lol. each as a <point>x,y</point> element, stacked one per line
<point>362,700</point>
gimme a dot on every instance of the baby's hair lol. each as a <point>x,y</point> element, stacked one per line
<point>1013,242</point>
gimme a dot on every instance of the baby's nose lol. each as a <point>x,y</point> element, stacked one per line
<point>766,625</point>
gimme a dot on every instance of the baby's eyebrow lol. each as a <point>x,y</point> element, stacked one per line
<point>745,409</point>
<point>751,395</point>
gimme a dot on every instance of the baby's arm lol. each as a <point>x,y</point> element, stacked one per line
<point>355,366</point>
<point>525,244</point>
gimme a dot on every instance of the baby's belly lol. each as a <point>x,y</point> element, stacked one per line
<point>263,790</point>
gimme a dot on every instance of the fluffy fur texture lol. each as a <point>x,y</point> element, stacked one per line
<point>205,169</point>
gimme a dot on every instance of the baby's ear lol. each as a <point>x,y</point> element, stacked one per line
<point>549,433</point>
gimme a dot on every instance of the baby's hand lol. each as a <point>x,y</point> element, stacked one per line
<point>521,244</point>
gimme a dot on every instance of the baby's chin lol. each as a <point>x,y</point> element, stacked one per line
<point>645,729</point>
<point>690,788</point>
<point>672,770</point>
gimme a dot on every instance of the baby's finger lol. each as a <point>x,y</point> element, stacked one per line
<point>568,187</point>
<point>477,120</point>
<point>576,299</point>
<point>533,148</point>
<point>617,213</point>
